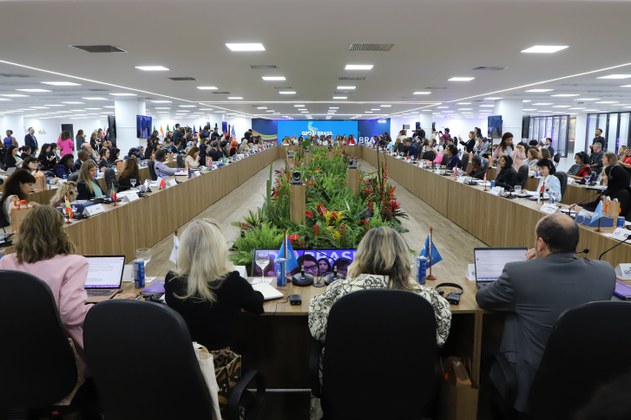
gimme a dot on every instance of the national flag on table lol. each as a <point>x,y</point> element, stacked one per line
<point>425,252</point>
<point>292,262</point>
<point>69,212</point>
<point>168,129</point>
<point>162,131</point>
<point>598,213</point>
<point>162,183</point>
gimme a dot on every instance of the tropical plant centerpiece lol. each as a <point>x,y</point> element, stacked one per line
<point>335,218</point>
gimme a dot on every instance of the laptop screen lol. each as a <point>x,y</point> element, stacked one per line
<point>489,262</point>
<point>105,272</point>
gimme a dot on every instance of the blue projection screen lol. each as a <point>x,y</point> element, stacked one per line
<point>316,127</point>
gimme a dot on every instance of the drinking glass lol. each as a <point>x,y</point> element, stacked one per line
<point>144,254</point>
<point>132,182</point>
<point>262,259</point>
<point>517,189</point>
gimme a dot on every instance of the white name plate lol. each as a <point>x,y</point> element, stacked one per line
<point>129,197</point>
<point>93,210</point>
<point>496,190</point>
<point>171,183</point>
<point>621,234</point>
<point>548,208</point>
<point>623,271</point>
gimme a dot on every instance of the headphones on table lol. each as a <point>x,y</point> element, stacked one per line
<point>452,297</point>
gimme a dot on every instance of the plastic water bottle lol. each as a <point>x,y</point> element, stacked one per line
<point>551,199</point>
<point>421,269</point>
<point>281,278</point>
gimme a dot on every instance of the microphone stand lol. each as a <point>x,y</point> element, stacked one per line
<point>613,247</point>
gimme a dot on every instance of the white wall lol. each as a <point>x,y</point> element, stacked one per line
<point>461,127</point>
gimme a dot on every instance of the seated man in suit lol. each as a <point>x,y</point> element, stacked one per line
<point>534,293</point>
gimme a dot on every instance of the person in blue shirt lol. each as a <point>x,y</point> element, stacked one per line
<point>64,168</point>
<point>161,168</point>
<point>550,183</point>
<point>454,159</point>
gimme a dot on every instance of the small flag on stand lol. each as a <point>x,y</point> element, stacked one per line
<point>433,255</point>
<point>291,263</point>
<point>69,213</point>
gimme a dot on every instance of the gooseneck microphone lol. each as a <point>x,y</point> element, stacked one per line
<point>583,201</point>
<point>615,246</point>
<point>585,251</point>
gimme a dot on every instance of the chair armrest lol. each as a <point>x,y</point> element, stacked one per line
<point>314,367</point>
<point>236,396</point>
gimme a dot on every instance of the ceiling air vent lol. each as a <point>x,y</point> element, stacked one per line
<point>263,67</point>
<point>490,68</point>
<point>99,48</point>
<point>435,88</point>
<point>282,87</point>
<point>221,93</point>
<point>370,46</point>
<point>182,79</point>
<point>352,78</point>
<point>13,75</point>
<point>98,90</point>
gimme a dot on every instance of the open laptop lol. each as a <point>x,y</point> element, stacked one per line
<point>489,262</point>
<point>105,276</point>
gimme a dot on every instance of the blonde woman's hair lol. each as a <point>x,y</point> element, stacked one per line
<point>203,259</point>
<point>383,251</point>
<point>612,158</point>
<point>84,174</point>
<point>68,188</point>
<point>42,236</point>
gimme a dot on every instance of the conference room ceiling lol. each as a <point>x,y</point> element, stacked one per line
<point>308,43</point>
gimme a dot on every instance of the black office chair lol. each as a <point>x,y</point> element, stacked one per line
<point>522,175</point>
<point>465,161</point>
<point>144,366</point>
<point>377,364</point>
<point>180,161</point>
<point>152,170</point>
<point>588,347</point>
<point>556,158</point>
<point>73,177</point>
<point>562,176</point>
<point>429,155</point>
<point>37,364</point>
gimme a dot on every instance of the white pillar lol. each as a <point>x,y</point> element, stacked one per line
<point>125,111</point>
<point>511,112</point>
<point>581,141</point>
<point>426,122</point>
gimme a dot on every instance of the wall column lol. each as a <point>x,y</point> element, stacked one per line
<point>125,111</point>
<point>511,112</point>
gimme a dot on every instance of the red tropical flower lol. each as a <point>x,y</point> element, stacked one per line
<point>363,222</point>
<point>316,230</point>
<point>309,214</point>
<point>321,208</point>
<point>293,238</point>
<point>394,204</point>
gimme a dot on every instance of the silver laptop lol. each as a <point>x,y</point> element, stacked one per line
<point>10,170</point>
<point>489,262</point>
<point>105,277</point>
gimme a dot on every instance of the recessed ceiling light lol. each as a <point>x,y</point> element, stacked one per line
<point>539,90</point>
<point>61,83</point>
<point>340,97</point>
<point>286,92</point>
<point>44,107</point>
<point>560,106</point>
<point>14,95</point>
<point>235,98</point>
<point>152,68</point>
<point>207,87</point>
<point>465,109</point>
<point>565,95</point>
<point>386,106</point>
<point>270,110</point>
<point>529,109</point>
<point>187,106</point>
<point>359,67</point>
<point>367,112</point>
<point>487,106</point>
<point>460,79</point>
<point>34,90</point>
<point>261,107</point>
<point>161,101</point>
<point>299,105</point>
<point>158,107</point>
<point>94,98</point>
<point>422,92</point>
<point>625,86</point>
<point>463,103</point>
<point>334,107</point>
<point>587,99</point>
<point>73,103</point>
<point>544,49</point>
<point>543,103</point>
<point>493,98</point>
<point>274,78</point>
<point>527,100</point>
<point>245,46</point>
<point>92,109</point>
<point>444,107</point>
<point>346,87</point>
<point>123,94</point>
<point>577,108</point>
<point>615,76</point>
<point>375,109</point>
<point>608,102</point>
<point>5,99</point>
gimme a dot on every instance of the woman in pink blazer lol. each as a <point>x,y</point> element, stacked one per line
<point>65,144</point>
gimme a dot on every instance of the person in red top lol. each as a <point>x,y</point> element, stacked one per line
<point>351,140</point>
<point>581,168</point>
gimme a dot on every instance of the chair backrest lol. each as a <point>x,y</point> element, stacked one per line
<point>142,362</point>
<point>465,161</point>
<point>562,176</point>
<point>73,177</point>
<point>152,170</point>
<point>556,158</point>
<point>589,346</point>
<point>379,356</point>
<point>522,175</point>
<point>37,365</point>
<point>180,161</point>
<point>110,179</point>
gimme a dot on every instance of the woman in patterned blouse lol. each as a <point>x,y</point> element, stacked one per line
<point>381,262</point>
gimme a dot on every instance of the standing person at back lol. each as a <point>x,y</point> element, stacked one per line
<point>598,138</point>
<point>533,294</point>
<point>9,140</point>
<point>65,144</point>
<point>31,141</point>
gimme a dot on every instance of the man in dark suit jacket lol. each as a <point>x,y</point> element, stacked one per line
<point>31,141</point>
<point>534,293</point>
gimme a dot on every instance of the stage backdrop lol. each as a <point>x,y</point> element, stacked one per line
<point>316,127</point>
<point>370,128</point>
<point>267,129</point>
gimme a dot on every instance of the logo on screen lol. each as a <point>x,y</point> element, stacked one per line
<point>313,131</point>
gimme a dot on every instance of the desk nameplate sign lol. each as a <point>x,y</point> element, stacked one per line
<point>171,183</point>
<point>93,210</point>
<point>496,190</point>
<point>129,196</point>
<point>548,209</point>
<point>623,271</point>
<point>621,234</point>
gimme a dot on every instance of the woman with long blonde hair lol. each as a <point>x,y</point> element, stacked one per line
<point>67,189</point>
<point>87,186</point>
<point>205,289</point>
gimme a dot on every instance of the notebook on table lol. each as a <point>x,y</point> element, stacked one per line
<point>105,277</point>
<point>489,262</point>
<point>268,291</point>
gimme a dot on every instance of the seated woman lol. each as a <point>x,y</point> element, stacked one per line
<point>17,187</point>
<point>46,158</point>
<point>31,164</point>
<point>205,290</point>
<point>192,158</point>
<point>454,160</point>
<point>86,185</point>
<point>477,169</point>
<point>64,168</point>
<point>507,177</point>
<point>161,168</point>
<point>617,180</point>
<point>131,171</point>
<point>45,250</point>
<point>66,190</point>
<point>381,262</point>
<point>548,181</point>
<point>104,156</point>
<point>11,158</point>
<point>533,158</point>
<point>581,168</point>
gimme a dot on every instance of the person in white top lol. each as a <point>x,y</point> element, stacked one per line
<point>192,157</point>
<point>550,183</point>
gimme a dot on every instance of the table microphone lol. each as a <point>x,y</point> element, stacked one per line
<point>585,251</point>
<point>615,246</point>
